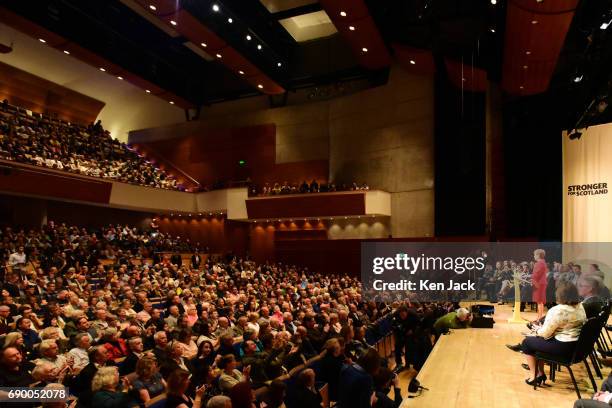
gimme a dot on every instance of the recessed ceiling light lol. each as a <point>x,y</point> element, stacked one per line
<point>241,72</point>
<point>203,45</point>
<point>102,69</point>
<point>260,86</point>
<point>215,7</point>
<point>412,62</point>
<point>259,46</point>
<point>364,49</point>
<point>120,77</point>
<point>219,56</point>
<point>66,52</point>
<point>248,37</point>
<point>492,30</point>
<point>41,40</point>
<point>147,91</point>
<point>152,7</point>
<point>527,52</point>
<point>343,13</point>
<point>278,64</point>
<point>352,28</point>
<point>493,2</point>
<point>171,102</point>
<point>463,79</point>
<point>604,26</point>
<point>173,22</point>
<point>521,87</point>
<point>525,66</point>
<point>578,79</point>
<point>230,20</point>
<point>534,21</point>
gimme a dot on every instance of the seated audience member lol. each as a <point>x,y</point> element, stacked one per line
<point>241,395</point>
<point>589,289</point>
<point>356,387</point>
<point>459,319</point>
<point>559,333</point>
<point>81,386</point>
<point>49,352</point>
<point>136,347</point>
<point>30,337</point>
<point>161,342</point>
<point>174,359</point>
<point>14,370</point>
<point>307,396</point>
<point>15,339</point>
<point>230,376</point>
<point>114,344</point>
<point>178,384</point>
<point>190,349</point>
<point>104,387</point>
<point>383,380</point>
<point>79,353</point>
<point>220,401</point>
<point>149,382</point>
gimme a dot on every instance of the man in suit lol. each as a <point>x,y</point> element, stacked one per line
<point>81,387</point>
<point>5,312</point>
<point>289,325</point>
<point>589,288</point>
<point>161,342</point>
<point>196,260</point>
<point>176,259</point>
<point>356,382</point>
<point>136,347</point>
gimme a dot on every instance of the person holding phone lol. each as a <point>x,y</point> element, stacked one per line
<point>178,384</point>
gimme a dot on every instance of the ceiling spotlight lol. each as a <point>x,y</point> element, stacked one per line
<point>171,102</point>
<point>343,13</point>
<point>364,49</point>
<point>248,37</point>
<point>494,2</point>
<point>41,40</point>
<point>521,87</point>
<point>352,28</point>
<point>152,7</point>
<point>230,20</point>
<point>120,78</point>
<point>66,52</point>
<point>578,78</point>
<point>278,64</point>
<point>203,45</point>
<point>492,30</point>
<point>219,56</point>
<point>260,86</point>
<point>604,26</point>
<point>527,52</point>
<point>525,66</point>
<point>215,8</point>
<point>102,69</point>
<point>412,62</point>
<point>241,72</point>
<point>173,22</point>
<point>259,46</point>
<point>147,91</point>
<point>575,135</point>
<point>534,21</point>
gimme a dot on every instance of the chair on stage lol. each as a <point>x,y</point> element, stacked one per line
<point>584,347</point>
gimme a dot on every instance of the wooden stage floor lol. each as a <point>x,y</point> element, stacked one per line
<point>473,368</point>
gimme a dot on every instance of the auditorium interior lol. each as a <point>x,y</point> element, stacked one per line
<point>305,203</point>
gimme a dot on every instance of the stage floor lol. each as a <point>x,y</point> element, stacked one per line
<point>474,368</point>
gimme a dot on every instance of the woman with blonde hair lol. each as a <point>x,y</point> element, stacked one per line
<point>149,383</point>
<point>15,339</point>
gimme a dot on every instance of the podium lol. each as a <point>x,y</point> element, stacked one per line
<point>516,314</point>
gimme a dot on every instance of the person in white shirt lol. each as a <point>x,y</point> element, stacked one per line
<point>79,353</point>
<point>18,258</point>
<point>558,334</point>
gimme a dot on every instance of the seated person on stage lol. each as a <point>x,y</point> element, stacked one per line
<point>559,333</point>
<point>459,319</point>
<point>588,287</point>
<point>601,399</point>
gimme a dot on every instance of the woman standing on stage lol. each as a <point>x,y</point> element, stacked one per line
<point>539,281</point>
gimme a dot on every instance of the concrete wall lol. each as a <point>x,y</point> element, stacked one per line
<point>382,136</point>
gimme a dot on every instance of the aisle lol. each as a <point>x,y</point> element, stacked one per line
<point>473,368</point>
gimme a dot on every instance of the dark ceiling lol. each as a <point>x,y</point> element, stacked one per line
<point>468,31</point>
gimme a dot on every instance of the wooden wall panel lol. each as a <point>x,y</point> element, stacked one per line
<point>307,205</point>
<point>39,95</point>
<point>21,179</point>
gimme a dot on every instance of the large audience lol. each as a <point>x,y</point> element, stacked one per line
<point>120,318</point>
<point>305,187</point>
<point>45,141</point>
